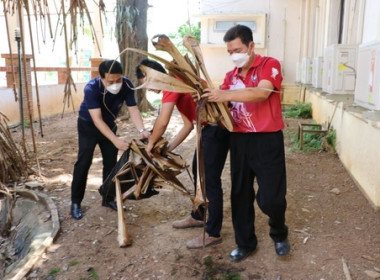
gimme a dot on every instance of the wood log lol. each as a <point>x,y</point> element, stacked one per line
<point>122,235</point>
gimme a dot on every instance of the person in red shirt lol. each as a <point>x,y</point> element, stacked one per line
<point>252,90</point>
<point>215,146</point>
<point>184,103</point>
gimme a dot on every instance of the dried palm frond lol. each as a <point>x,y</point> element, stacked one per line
<point>214,112</point>
<point>167,171</point>
<point>78,10</point>
<point>193,47</point>
<point>218,110</point>
<point>6,210</point>
<point>159,81</point>
<point>13,164</point>
<point>163,43</point>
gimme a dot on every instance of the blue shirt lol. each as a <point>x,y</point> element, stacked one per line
<point>109,104</point>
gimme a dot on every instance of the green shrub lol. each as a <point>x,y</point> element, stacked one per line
<point>330,140</point>
<point>299,110</point>
<point>315,141</point>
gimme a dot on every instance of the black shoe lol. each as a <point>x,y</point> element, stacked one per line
<point>76,211</point>
<point>111,204</point>
<point>282,248</point>
<point>240,254</point>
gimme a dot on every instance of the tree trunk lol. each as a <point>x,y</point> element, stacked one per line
<point>131,24</point>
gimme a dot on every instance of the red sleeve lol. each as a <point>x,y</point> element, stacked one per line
<point>169,96</point>
<point>272,72</point>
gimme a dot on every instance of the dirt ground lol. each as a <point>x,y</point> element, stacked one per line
<point>334,231</point>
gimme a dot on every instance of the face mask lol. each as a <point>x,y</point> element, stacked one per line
<point>239,59</point>
<point>114,88</point>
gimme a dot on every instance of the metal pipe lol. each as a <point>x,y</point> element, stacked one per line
<point>18,39</point>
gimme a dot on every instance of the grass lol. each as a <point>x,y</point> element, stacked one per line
<point>72,263</point>
<point>93,274</point>
<point>331,138</point>
<point>314,142</point>
<point>212,271</point>
<point>54,271</point>
<point>299,110</point>
<point>311,141</point>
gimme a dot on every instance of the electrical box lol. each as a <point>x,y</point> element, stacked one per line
<point>306,70</point>
<point>367,89</point>
<point>317,72</point>
<point>339,69</point>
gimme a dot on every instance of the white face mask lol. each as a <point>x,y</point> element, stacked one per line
<point>239,59</point>
<point>114,88</point>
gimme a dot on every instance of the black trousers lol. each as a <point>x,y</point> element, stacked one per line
<point>88,137</point>
<point>215,146</point>
<point>260,156</point>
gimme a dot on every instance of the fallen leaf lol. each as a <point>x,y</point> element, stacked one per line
<point>372,274</point>
<point>368,258</point>
<point>335,191</point>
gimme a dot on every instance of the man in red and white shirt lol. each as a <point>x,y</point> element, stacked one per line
<point>252,90</point>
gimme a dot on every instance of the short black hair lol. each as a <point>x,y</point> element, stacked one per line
<point>105,67</point>
<point>149,63</point>
<point>239,31</point>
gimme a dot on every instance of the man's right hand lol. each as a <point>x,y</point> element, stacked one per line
<point>121,145</point>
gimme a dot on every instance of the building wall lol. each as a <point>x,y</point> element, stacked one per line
<point>281,39</point>
<point>51,102</point>
<point>298,29</point>
<point>358,137</point>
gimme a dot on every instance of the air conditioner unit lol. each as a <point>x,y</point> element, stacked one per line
<point>306,70</point>
<point>339,67</point>
<point>298,72</point>
<point>367,90</point>
<point>317,72</point>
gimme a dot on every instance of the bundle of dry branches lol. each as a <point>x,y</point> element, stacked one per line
<point>156,172</point>
<point>13,164</point>
<point>6,205</point>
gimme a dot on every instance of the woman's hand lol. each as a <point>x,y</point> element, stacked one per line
<point>144,134</point>
<point>148,149</point>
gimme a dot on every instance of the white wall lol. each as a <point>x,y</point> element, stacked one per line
<point>51,102</point>
<point>358,137</point>
<point>282,39</point>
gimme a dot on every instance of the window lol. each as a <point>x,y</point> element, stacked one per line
<point>224,25</point>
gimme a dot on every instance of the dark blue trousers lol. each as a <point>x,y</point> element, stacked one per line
<point>215,146</point>
<point>88,137</point>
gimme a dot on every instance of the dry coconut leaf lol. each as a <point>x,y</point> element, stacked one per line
<point>160,81</point>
